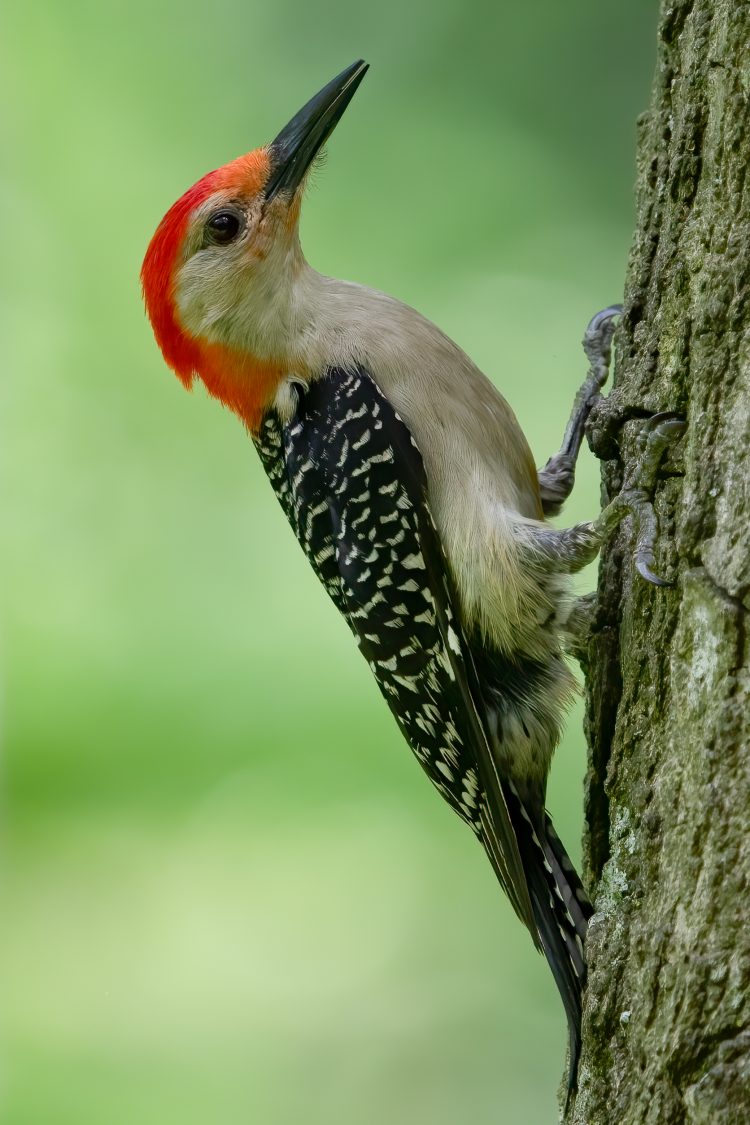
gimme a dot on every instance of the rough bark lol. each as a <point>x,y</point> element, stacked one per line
<point>666,1029</point>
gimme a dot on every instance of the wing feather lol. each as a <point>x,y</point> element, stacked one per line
<point>353,485</point>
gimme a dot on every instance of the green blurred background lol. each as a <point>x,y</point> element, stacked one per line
<point>229,893</point>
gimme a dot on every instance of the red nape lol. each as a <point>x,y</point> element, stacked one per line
<point>243,177</point>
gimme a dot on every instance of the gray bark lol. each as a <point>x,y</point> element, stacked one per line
<point>666,1028</point>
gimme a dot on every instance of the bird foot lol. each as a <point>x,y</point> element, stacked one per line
<point>597,344</point>
<point>557,477</point>
<point>577,626</point>
<point>655,437</point>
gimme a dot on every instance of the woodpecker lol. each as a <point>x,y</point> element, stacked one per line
<point>413,491</point>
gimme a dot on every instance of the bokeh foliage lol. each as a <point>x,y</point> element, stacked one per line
<point>229,894</point>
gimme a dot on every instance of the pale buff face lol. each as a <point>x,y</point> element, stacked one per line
<point>233,292</point>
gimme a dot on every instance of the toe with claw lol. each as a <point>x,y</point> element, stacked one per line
<point>557,477</point>
<point>657,435</point>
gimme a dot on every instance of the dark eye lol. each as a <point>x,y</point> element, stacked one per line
<point>223,227</point>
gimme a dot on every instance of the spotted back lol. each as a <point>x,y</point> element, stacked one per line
<point>352,483</point>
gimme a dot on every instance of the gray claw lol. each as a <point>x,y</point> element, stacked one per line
<point>657,434</point>
<point>598,319</point>
<point>668,424</point>
<point>648,574</point>
<point>597,339</point>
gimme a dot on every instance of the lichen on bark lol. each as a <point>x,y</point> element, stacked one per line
<point>666,1027</point>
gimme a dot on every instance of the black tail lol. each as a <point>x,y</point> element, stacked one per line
<point>561,910</point>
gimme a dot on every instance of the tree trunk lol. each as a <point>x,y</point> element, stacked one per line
<point>666,1028</point>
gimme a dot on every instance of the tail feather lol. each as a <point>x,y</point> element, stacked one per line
<point>561,911</point>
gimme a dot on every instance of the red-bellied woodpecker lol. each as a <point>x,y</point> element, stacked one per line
<point>413,492</point>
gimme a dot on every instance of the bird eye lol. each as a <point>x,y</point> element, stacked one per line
<point>223,227</point>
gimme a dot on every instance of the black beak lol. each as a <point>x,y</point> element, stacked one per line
<point>298,143</point>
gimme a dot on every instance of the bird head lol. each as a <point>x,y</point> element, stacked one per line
<point>217,269</point>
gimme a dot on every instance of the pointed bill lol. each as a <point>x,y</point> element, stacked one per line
<point>298,143</point>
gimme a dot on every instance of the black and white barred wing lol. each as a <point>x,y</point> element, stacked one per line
<point>353,486</point>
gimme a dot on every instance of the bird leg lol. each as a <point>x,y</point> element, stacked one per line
<point>557,478</point>
<point>569,549</point>
<point>577,625</point>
